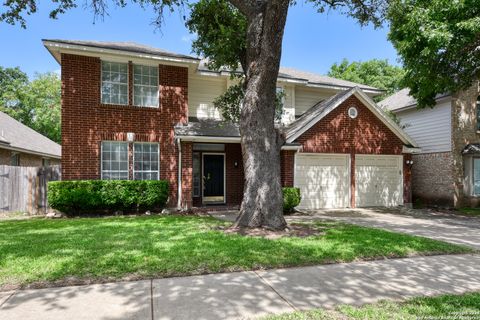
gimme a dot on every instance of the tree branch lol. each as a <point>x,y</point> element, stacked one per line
<point>247,7</point>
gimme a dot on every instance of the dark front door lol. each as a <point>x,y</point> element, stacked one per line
<point>213,178</point>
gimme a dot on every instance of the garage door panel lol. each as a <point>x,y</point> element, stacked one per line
<point>378,180</point>
<point>323,180</point>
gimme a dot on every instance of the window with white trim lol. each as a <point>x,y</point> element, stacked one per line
<point>114,83</point>
<point>145,161</point>
<point>114,160</point>
<point>145,86</point>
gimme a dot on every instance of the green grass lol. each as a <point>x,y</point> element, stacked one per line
<point>466,306</point>
<point>470,211</point>
<point>43,250</point>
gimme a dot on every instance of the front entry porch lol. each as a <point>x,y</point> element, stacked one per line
<point>216,175</point>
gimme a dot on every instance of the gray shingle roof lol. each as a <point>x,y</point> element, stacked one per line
<point>308,77</point>
<point>402,99</point>
<point>16,135</point>
<point>208,128</point>
<point>320,79</point>
<point>398,100</point>
<point>286,73</point>
<point>123,46</point>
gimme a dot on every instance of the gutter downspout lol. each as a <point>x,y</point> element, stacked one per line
<point>179,182</point>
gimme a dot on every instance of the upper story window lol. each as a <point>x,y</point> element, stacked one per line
<point>478,113</point>
<point>145,86</point>
<point>114,83</point>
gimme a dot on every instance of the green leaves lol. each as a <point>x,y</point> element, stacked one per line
<point>221,33</point>
<point>230,103</point>
<point>376,73</point>
<point>291,198</point>
<point>35,103</point>
<point>439,43</point>
<point>93,196</point>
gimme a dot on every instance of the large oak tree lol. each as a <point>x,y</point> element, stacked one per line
<point>259,41</point>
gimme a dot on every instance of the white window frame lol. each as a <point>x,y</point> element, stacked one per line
<point>147,171</point>
<point>101,83</point>
<point>143,85</point>
<point>101,159</point>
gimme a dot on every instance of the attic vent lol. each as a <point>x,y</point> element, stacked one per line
<point>352,112</point>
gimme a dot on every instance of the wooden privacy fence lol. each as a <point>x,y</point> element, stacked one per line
<point>24,189</point>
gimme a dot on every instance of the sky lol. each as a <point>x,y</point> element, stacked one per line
<point>312,41</point>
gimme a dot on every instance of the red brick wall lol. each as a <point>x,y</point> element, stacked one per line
<point>86,122</point>
<point>287,159</point>
<point>235,177</point>
<point>366,134</point>
<point>338,133</point>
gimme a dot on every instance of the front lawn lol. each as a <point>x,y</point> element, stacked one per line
<point>97,249</point>
<point>466,306</point>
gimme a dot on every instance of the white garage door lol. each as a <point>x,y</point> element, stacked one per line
<point>378,181</point>
<point>323,179</point>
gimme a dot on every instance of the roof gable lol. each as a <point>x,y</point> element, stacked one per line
<point>320,110</point>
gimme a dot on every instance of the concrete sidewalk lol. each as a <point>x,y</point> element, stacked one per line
<point>249,294</point>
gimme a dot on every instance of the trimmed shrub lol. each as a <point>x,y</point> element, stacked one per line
<point>291,199</point>
<point>93,196</point>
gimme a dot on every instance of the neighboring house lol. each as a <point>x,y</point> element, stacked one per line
<point>136,112</point>
<point>23,146</point>
<point>446,171</point>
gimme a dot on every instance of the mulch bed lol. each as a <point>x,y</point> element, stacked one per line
<point>293,230</point>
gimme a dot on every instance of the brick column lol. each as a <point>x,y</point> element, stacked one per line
<point>187,175</point>
<point>287,163</point>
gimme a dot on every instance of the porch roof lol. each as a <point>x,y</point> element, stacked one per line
<point>207,128</point>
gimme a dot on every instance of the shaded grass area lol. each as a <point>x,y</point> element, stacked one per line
<point>466,306</point>
<point>42,250</point>
<point>474,212</point>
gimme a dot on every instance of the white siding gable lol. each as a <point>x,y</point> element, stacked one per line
<point>201,93</point>
<point>430,127</point>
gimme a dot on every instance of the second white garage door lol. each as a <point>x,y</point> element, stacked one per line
<point>323,179</point>
<point>378,180</point>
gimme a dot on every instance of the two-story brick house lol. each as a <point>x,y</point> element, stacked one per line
<point>446,171</point>
<point>136,112</point>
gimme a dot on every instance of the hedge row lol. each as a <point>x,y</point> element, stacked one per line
<point>88,196</point>
<point>94,196</point>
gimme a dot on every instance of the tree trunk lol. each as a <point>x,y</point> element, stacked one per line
<point>262,204</point>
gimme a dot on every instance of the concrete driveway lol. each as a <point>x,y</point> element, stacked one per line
<point>435,225</point>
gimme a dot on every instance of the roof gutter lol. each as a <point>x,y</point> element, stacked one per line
<point>52,45</point>
<point>411,150</point>
<point>42,154</point>
<point>209,139</point>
